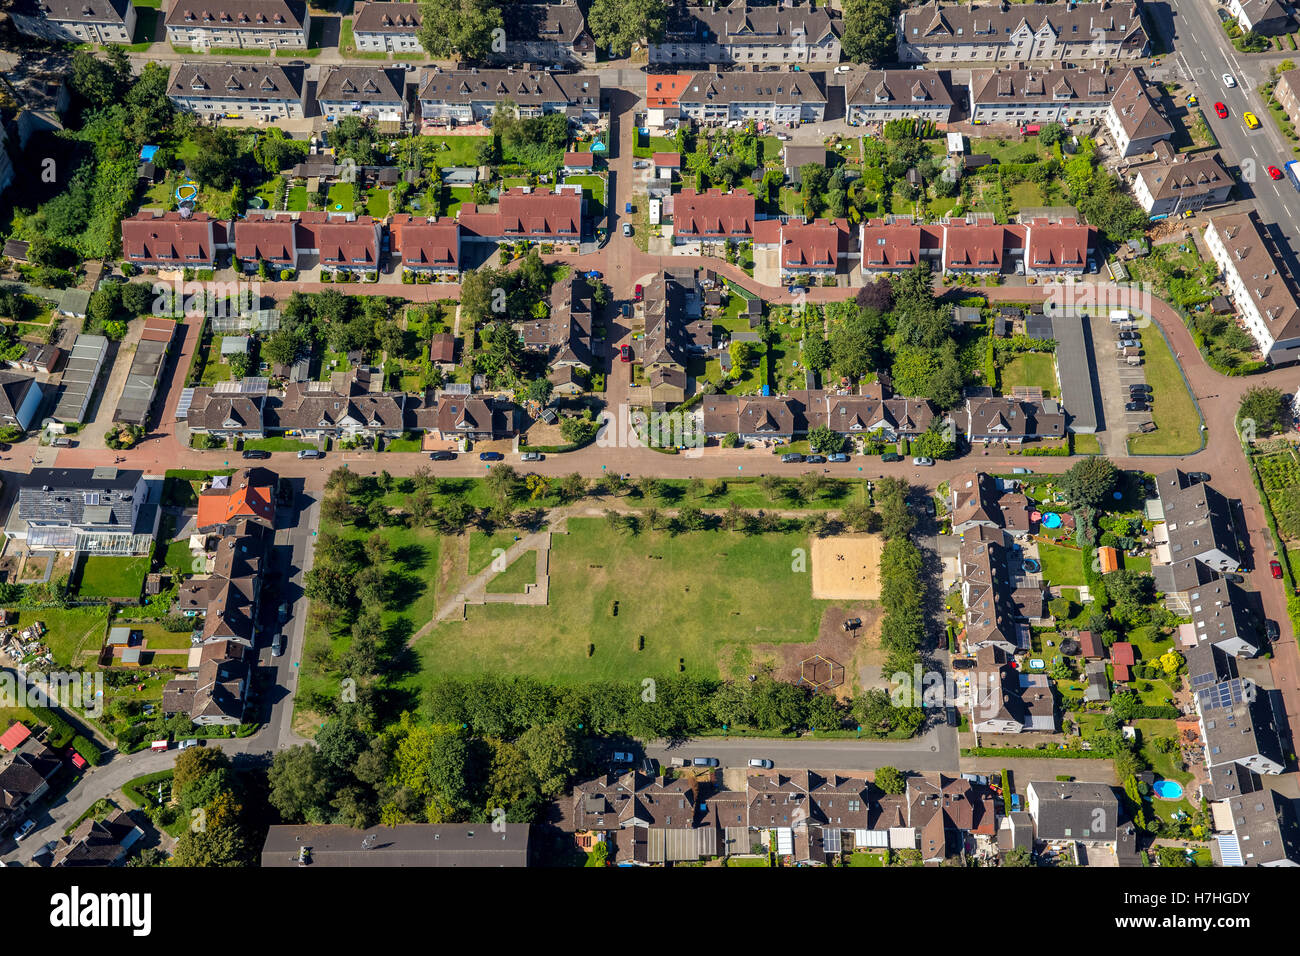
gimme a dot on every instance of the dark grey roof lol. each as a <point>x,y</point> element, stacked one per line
<point>412,844</point>
<point>215,80</point>
<point>1238,723</point>
<point>364,84</point>
<point>13,392</point>
<point>1075,811</point>
<point>1265,829</point>
<point>75,496</point>
<point>75,11</point>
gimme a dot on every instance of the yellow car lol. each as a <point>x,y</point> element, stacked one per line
<point>1252,121</point>
<point>1191,100</point>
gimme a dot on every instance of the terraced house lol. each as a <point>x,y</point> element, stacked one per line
<point>1134,120</point>
<point>546,33</point>
<point>262,24</point>
<point>350,405</point>
<point>76,21</point>
<point>1176,182</point>
<point>471,96</point>
<point>426,245</point>
<point>1024,94</point>
<point>713,218</point>
<point>338,242</point>
<point>387,27</point>
<point>523,212</point>
<point>172,241</point>
<point>1012,32</point>
<point>215,89</point>
<point>1259,291</point>
<point>368,92</point>
<point>716,98</point>
<point>878,96</point>
<point>748,34</point>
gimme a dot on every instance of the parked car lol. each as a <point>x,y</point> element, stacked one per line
<point>625,353</point>
<point>1235,578</point>
<point>816,459</point>
<point>705,761</point>
<point>1021,471</point>
<point>650,766</point>
<point>791,458</point>
<point>1275,568</point>
<point>1222,14</point>
<point>185,744</point>
<point>891,457</point>
<point>1229,81</point>
<point>921,460</point>
<point>256,454</point>
<point>311,453</point>
<point>627,229</point>
<point>621,756</point>
<point>1220,110</point>
<point>638,293</point>
<point>57,443</point>
<point>1136,407</point>
<point>1196,476</point>
<point>626,310</point>
<point>1272,630</point>
<point>24,830</point>
<point>641,164</point>
<point>491,456</point>
<point>593,274</point>
<point>531,456</point>
<point>442,456</point>
<point>679,762</point>
<point>285,612</point>
<point>837,457</point>
<point>277,646</point>
<point>760,763</point>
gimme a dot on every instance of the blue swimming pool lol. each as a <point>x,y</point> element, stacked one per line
<point>1168,789</point>
<point>1051,520</point>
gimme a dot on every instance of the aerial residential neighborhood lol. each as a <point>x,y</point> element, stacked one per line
<point>650,433</point>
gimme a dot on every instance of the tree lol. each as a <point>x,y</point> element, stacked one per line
<point>1018,857</point>
<point>1051,133</point>
<point>855,344</point>
<point>459,28</point>
<point>284,347</point>
<point>891,780</point>
<point>298,786</point>
<point>933,444</point>
<point>825,441</point>
<point>869,32</point>
<point>617,24</point>
<point>220,842</point>
<point>816,352</point>
<point>1090,481</point>
<point>1265,407</point>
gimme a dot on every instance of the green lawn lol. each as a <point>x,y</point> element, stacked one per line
<point>459,151</point>
<point>341,197</point>
<point>482,546</point>
<point>1085,444</point>
<point>1033,370</point>
<point>1178,426</point>
<point>112,577</point>
<point>513,579</point>
<point>1062,566</point>
<point>699,597</point>
<point>70,631</point>
<point>278,444</point>
<point>377,203</point>
<point>298,199</point>
<point>593,190</point>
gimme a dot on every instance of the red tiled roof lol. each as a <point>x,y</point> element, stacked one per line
<point>975,247</point>
<point>269,237</point>
<point>714,214</point>
<point>426,242</point>
<point>170,238</point>
<point>242,499</point>
<point>1062,244</point>
<point>673,160</point>
<point>664,90</point>
<point>341,243</point>
<point>813,245</point>
<point>1121,652</point>
<point>579,159</point>
<point>541,213</point>
<point>14,736</point>
<point>897,245</point>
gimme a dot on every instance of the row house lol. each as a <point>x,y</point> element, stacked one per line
<point>672,316</point>
<point>1238,725</point>
<point>1024,94</point>
<point>980,500</point>
<point>898,244</point>
<point>717,98</point>
<point>564,336</point>
<point>173,240</point>
<point>1196,541</point>
<point>1265,17</point>
<point>472,96</point>
<point>1134,119</point>
<point>523,212</point>
<point>878,96</point>
<point>1013,421</point>
<point>217,693</point>
<point>1011,32</point>
<point>1079,812</point>
<point>228,410</point>
<point>663,93</point>
<point>551,33</point>
<point>453,416</point>
<point>712,219</point>
<point>238,90</point>
<point>867,415</point>
<point>813,249</point>
<point>76,21</point>
<point>947,815</point>
<point>256,24</point>
<point>387,28</point>
<point>286,240</point>
<point>1255,826</point>
<point>351,404</point>
<point>95,842</point>
<point>748,34</point>
<point>1043,246</point>
<point>1287,93</point>
<point>1260,292</point>
<point>365,91</point>
<point>426,245</point>
<point>246,495</point>
<point>1006,700</point>
<point>1220,619</point>
<point>21,397</point>
<point>1177,183</point>
<point>990,618</point>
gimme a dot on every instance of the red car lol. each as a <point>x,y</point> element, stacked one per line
<point>639,293</point>
<point>1275,567</point>
<point>1274,173</point>
<point>625,353</point>
<point>1221,111</point>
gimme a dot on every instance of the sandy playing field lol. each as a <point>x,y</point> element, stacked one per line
<point>846,567</point>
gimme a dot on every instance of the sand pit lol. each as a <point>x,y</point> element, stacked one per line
<point>847,567</point>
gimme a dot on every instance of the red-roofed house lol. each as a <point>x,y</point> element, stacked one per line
<point>1058,248</point>
<point>667,165</point>
<point>340,241</point>
<point>171,240</point>
<point>1122,657</point>
<point>579,162</point>
<point>430,246</point>
<point>526,213</point>
<point>234,498</point>
<point>269,238</point>
<point>982,248</point>
<point>663,94</point>
<point>899,245</point>
<point>14,736</point>
<point>813,248</point>
<point>713,217</point>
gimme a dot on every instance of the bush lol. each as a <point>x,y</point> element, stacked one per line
<point>89,751</point>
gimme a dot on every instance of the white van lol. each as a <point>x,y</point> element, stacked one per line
<point>1120,315</point>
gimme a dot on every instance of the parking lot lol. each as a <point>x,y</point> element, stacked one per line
<point>1115,366</point>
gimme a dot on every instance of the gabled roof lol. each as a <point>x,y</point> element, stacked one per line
<point>364,84</point>
<point>171,238</point>
<point>243,14</point>
<point>242,495</point>
<point>663,89</point>
<point>713,214</point>
<point>214,80</point>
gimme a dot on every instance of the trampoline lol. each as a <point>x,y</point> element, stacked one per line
<point>187,192</point>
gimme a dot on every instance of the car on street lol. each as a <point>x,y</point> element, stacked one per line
<point>1221,111</point>
<point>791,458</point>
<point>816,459</point>
<point>621,756</point>
<point>491,456</point>
<point>311,453</point>
<point>627,229</point>
<point>625,353</point>
<point>705,761</point>
<point>760,763</point>
<point>285,612</point>
<point>531,456</point>
<point>922,461</point>
<point>277,646</point>
<point>1274,173</point>
<point>1275,568</point>
<point>27,827</point>
<point>837,457</point>
<point>256,454</point>
<point>1228,80</point>
<point>442,456</point>
<point>1250,119</point>
<point>891,457</point>
<point>1222,14</point>
<point>638,293</point>
<point>593,274</point>
<point>1136,407</point>
<point>1272,630</point>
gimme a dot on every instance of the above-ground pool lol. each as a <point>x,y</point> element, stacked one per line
<point>1051,520</point>
<point>1168,789</point>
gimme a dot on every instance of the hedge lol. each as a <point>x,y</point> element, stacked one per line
<point>88,749</point>
<point>60,730</point>
<point>1029,752</point>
